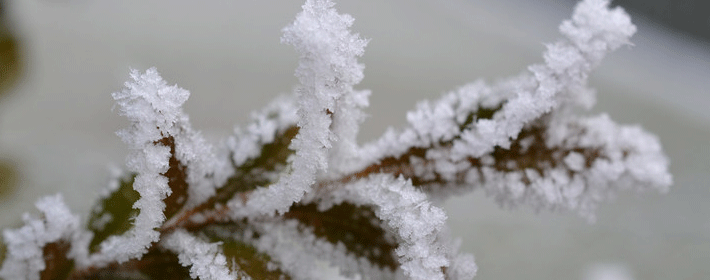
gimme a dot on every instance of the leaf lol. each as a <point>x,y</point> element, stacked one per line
<point>155,265</point>
<point>356,227</point>
<point>246,258</point>
<point>258,171</point>
<point>114,214</point>
<point>242,257</point>
<point>57,265</point>
<point>159,264</point>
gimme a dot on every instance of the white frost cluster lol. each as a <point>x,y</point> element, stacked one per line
<point>25,259</point>
<point>423,247</point>
<point>628,159</point>
<point>275,118</point>
<point>460,145</point>
<point>593,31</point>
<point>155,111</point>
<point>205,259</point>
<point>327,70</point>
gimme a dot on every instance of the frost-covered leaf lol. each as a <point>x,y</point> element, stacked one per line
<point>174,166</point>
<point>424,250</point>
<point>243,258</point>
<point>223,257</point>
<point>520,140</point>
<point>294,196</point>
<point>114,214</point>
<point>259,171</point>
<point>157,264</point>
<point>327,71</point>
<point>356,227</point>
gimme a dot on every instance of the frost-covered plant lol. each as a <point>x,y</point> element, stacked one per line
<point>293,195</point>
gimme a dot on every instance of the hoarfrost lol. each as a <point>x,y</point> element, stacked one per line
<point>518,140</point>
<point>155,111</point>
<point>424,248</point>
<point>327,71</point>
<point>205,259</point>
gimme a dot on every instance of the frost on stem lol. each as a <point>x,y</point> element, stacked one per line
<point>293,196</point>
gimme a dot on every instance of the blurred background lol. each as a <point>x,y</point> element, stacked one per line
<point>61,59</point>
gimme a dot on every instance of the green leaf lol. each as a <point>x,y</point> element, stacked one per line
<point>356,227</point>
<point>242,257</point>
<point>57,265</point>
<point>114,214</point>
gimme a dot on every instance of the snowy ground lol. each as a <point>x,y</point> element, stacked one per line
<point>58,128</point>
